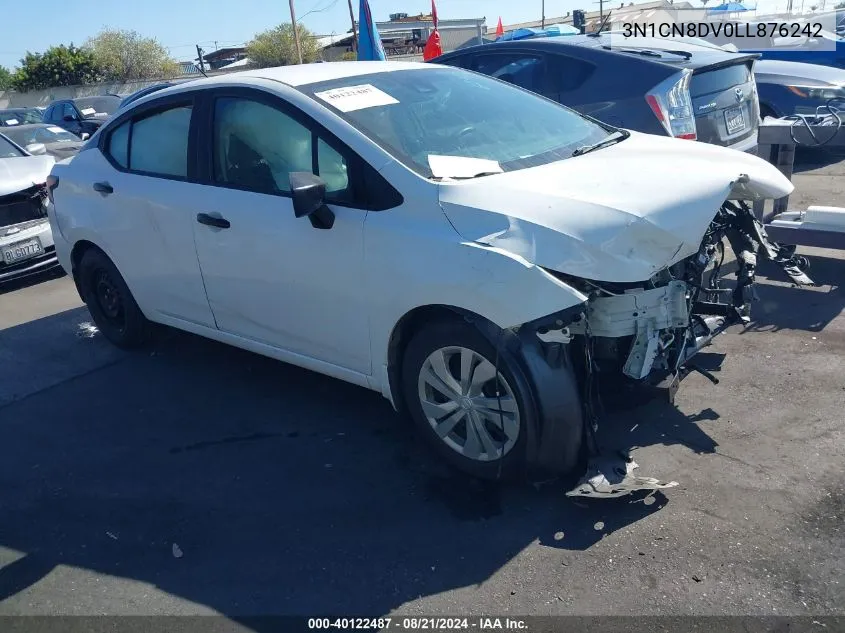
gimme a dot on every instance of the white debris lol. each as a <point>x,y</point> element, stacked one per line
<point>177,551</point>
<point>611,476</point>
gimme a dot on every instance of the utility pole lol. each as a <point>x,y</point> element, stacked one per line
<point>352,20</point>
<point>295,32</point>
<point>601,11</point>
<point>543,14</point>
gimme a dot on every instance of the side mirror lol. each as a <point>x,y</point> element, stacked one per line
<point>36,149</point>
<point>68,118</point>
<point>85,136</point>
<point>309,199</point>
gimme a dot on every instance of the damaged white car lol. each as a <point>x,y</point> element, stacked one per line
<point>26,245</point>
<point>472,251</point>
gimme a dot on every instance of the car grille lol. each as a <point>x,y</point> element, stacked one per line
<point>23,206</point>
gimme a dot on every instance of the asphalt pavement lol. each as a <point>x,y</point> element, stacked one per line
<point>194,478</point>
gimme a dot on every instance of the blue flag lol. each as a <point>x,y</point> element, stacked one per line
<point>369,41</point>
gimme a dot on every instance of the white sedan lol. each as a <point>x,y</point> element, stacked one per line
<point>472,251</point>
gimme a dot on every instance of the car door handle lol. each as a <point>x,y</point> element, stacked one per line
<point>210,220</point>
<point>103,187</point>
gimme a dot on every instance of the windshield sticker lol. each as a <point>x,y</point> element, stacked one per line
<point>461,166</point>
<point>55,129</point>
<point>354,98</point>
<point>88,111</point>
<point>11,121</point>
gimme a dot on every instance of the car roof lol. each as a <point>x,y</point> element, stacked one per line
<point>300,75</point>
<point>697,56</point>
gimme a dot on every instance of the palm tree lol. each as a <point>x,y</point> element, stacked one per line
<point>704,2</point>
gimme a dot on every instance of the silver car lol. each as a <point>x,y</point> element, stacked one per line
<point>26,242</point>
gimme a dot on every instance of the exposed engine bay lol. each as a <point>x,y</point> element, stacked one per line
<point>649,332</point>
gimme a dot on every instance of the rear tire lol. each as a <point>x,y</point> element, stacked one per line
<point>449,383</point>
<point>111,304</point>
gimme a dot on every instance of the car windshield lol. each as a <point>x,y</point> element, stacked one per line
<point>93,106</point>
<point>20,117</point>
<point>7,150</point>
<point>443,122</point>
<point>45,134</point>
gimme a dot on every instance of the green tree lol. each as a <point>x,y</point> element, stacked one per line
<point>126,55</point>
<point>841,5</point>
<point>57,66</point>
<point>5,78</point>
<point>276,47</point>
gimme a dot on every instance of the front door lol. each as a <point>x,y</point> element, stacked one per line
<point>269,276</point>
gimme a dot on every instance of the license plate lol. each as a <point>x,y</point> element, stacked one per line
<point>18,251</point>
<point>735,120</point>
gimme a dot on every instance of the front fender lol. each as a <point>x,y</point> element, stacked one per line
<point>493,283</point>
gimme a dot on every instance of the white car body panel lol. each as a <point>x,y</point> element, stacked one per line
<point>610,215</point>
<point>21,172</point>
<point>329,300</point>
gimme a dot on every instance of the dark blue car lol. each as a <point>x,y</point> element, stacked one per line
<point>787,88</point>
<point>658,86</point>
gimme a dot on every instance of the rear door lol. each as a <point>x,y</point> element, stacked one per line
<point>724,100</point>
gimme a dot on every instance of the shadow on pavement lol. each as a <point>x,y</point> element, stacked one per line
<point>253,487</point>
<point>810,158</point>
<point>31,280</point>
<point>796,308</point>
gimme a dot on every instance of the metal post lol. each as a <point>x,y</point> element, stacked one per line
<point>352,20</point>
<point>295,32</point>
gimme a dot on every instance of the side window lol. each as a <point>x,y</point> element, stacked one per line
<point>525,71</point>
<point>118,146</point>
<point>53,114</point>
<point>256,147</point>
<point>155,144</point>
<point>68,110</point>
<point>569,73</point>
<point>158,144</point>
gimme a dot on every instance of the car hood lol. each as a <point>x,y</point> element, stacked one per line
<point>798,74</point>
<point>19,173</point>
<point>617,214</point>
<point>63,150</point>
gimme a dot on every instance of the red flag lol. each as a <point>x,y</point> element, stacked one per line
<point>500,30</point>
<point>432,46</point>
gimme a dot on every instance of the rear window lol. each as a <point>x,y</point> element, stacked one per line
<point>719,80</point>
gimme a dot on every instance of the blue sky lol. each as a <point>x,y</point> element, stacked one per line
<point>180,24</point>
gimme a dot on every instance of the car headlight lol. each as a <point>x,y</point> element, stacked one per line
<point>823,94</point>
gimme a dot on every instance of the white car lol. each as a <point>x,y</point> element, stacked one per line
<point>470,250</point>
<point>26,242</point>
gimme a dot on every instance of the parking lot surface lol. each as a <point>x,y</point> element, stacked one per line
<point>194,478</point>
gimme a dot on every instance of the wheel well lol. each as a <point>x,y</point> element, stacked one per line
<point>405,329</point>
<point>76,254</point>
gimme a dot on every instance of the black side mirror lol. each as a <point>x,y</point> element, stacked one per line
<point>68,118</point>
<point>309,199</point>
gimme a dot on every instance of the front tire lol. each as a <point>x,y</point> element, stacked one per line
<point>450,383</point>
<point>111,304</point>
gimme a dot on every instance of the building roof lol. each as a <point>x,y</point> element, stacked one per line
<point>224,53</point>
<point>616,11</point>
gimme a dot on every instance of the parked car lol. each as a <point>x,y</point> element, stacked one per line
<point>466,248</point>
<point>26,242</point>
<point>825,48</point>
<point>787,88</point>
<point>83,115</point>
<point>685,91</point>
<point>19,116</point>
<point>57,142</point>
